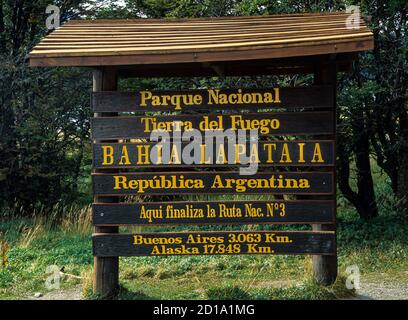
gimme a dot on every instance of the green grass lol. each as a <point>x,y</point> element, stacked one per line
<point>378,248</point>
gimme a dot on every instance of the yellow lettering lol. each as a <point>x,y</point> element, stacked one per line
<point>120,182</point>
<point>124,159</point>
<point>144,95</point>
<point>142,154</point>
<point>107,155</point>
<point>270,147</point>
<point>301,152</point>
<point>285,157</point>
<point>174,156</point>
<point>317,154</point>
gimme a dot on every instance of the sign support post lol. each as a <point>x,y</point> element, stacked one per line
<point>106,269</point>
<point>325,267</point>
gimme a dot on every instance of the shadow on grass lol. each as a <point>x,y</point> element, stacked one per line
<point>126,294</point>
<point>307,289</point>
<point>227,293</point>
<point>121,294</point>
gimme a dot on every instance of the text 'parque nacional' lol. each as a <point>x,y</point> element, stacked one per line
<point>213,99</point>
<point>210,97</point>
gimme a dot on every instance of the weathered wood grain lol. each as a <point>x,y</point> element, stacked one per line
<point>297,97</point>
<point>146,41</point>
<point>157,183</point>
<point>289,123</point>
<point>220,212</point>
<point>216,243</point>
<point>271,153</point>
<point>106,269</point>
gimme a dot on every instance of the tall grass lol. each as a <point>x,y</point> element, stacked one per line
<point>28,234</point>
<point>78,221</point>
<point>66,219</point>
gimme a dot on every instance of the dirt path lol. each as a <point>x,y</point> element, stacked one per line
<point>379,290</point>
<point>74,293</point>
<point>370,290</point>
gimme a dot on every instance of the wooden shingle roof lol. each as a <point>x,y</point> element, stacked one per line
<point>150,41</point>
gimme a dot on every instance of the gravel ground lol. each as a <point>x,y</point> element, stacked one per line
<point>67,294</point>
<point>369,290</point>
<point>383,291</point>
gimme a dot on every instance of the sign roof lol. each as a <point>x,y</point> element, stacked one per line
<point>171,41</point>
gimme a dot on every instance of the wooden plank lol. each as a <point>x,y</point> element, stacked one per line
<point>298,49</point>
<point>172,37</point>
<point>280,17</point>
<point>167,40</point>
<point>220,212</point>
<point>210,99</point>
<point>205,22</point>
<point>197,47</point>
<point>268,124</point>
<point>266,153</point>
<point>164,183</point>
<point>108,43</point>
<point>177,29</point>
<point>214,243</point>
<point>173,32</point>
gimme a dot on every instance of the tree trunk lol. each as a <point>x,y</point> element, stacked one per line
<point>2,30</point>
<point>364,197</point>
<point>365,185</point>
<point>402,191</point>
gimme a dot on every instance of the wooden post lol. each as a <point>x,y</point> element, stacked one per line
<point>325,267</point>
<point>106,269</point>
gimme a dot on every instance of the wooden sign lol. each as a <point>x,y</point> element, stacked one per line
<point>275,153</point>
<point>158,183</point>
<point>214,243</point>
<point>213,99</point>
<point>197,141</point>
<point>267,124</point>
<point>223,212</point>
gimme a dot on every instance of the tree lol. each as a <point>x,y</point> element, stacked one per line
<point>44,127</point>
<point>386,67</point>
